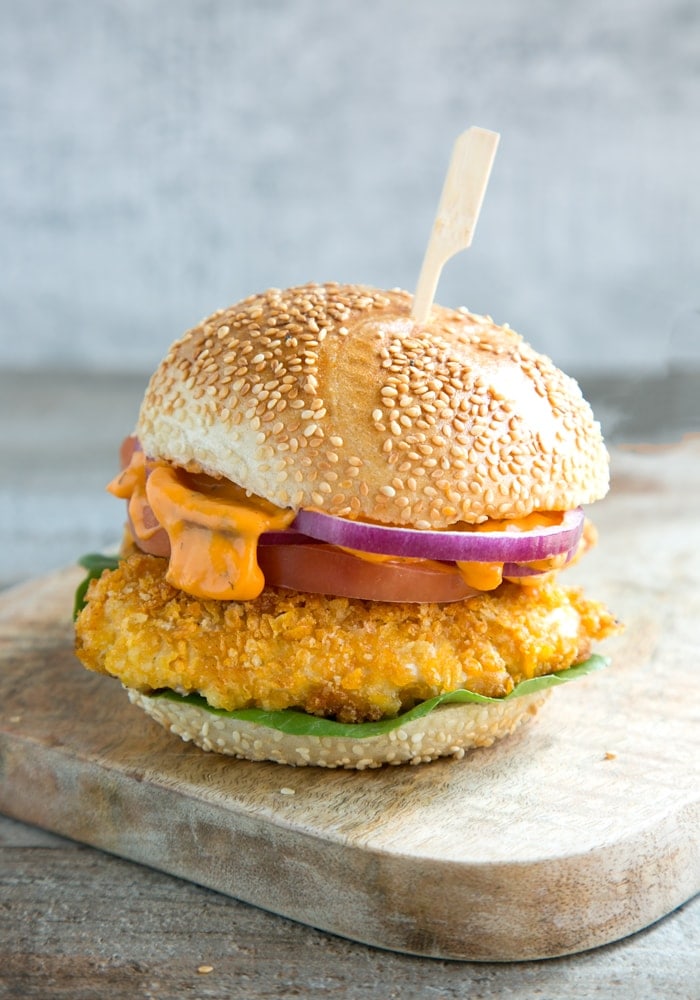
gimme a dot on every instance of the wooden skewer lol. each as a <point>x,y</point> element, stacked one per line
<point>460,203</point>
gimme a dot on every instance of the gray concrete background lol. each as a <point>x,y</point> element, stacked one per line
<point>162,158</point>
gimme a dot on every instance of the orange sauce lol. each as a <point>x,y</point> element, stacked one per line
<point>488,576</point>
<point>130,485</point>
<point>213,527</point>
<point>481,575</point>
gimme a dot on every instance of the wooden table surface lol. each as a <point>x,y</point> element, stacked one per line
<point>79,923</point>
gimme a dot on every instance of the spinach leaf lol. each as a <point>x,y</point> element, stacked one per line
<point>300,723</point>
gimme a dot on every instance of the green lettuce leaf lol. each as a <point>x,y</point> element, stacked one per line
<point>300,723</point>
<point>95,564</point>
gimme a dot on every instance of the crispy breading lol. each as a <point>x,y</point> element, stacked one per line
<point>350,659</point>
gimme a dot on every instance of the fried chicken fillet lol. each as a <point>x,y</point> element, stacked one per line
<point>351,659</point>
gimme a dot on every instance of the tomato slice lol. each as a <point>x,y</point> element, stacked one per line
<point>318,568</point>
<point>158,544</point>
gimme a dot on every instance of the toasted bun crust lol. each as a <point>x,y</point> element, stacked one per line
<point>330,396</point>
<point>447,731</point>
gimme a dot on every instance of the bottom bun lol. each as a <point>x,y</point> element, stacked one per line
<point>448,731</point>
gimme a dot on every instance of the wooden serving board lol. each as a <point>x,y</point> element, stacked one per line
<point>580,829</point>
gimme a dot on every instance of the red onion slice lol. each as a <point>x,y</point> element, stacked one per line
<point>515,570</point>
<point>518,569</point>
<point>467,546</point>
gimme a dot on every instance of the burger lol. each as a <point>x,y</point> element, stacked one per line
<point>345,533</point>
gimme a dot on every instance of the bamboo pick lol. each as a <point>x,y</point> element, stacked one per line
<point>458,212</point>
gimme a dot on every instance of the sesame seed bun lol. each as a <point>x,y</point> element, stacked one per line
<point>449,731</point>
<point>329,396</point>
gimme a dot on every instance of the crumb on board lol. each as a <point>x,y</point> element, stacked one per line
<point>608,755</point>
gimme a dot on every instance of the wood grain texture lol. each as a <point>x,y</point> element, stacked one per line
<point>576,832</point>
<point>80,924</point>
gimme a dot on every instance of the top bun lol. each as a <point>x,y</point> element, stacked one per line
<point>331,396</point>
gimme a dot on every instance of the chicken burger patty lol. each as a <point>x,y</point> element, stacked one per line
<point>348,659</point>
